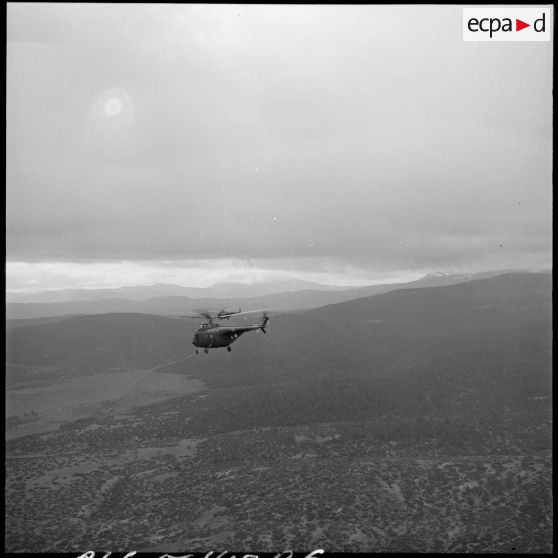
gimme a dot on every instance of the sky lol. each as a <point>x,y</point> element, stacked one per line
<point>195,144</point>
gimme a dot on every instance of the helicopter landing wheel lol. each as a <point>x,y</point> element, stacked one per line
<point>197,352</point>
<point>229,349</point>
<point>206,351</point>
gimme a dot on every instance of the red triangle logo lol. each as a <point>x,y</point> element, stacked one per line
<point>519,25</point>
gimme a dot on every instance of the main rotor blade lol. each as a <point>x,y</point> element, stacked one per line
<point>196,317</point>
<point>205,314</point>
<point>251,311</point>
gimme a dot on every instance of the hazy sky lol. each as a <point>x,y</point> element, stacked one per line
<point>198,143</point>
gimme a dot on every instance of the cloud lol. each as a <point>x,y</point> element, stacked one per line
<point>361,134</point>
<point>27,277</point>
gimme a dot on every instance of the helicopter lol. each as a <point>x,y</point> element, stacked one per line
<point>211,335</point>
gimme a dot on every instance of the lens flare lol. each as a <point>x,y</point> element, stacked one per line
<point>113,107</point>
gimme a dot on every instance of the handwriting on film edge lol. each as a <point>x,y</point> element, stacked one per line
<point>286,554</point>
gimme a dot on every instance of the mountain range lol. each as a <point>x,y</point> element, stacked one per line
<point>144,292</point>
<point>174,300</point>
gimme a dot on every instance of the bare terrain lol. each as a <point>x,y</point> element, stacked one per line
<point>133,482</point>
<point>33,407</point>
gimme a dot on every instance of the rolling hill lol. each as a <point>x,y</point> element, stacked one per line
<point>494,331</point>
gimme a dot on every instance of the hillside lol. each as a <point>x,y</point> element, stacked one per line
<point>498,323</point>
<point>417,420</point>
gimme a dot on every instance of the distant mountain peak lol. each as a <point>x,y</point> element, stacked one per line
<point>231,289</point>
<point>467,275</point>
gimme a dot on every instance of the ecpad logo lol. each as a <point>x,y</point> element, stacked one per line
<point>494,24</point>
<point>507,24</point>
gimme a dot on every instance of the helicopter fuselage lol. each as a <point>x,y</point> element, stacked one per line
<point>213,336</point>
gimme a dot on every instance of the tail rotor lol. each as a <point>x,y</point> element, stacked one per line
<point>264,322</point>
